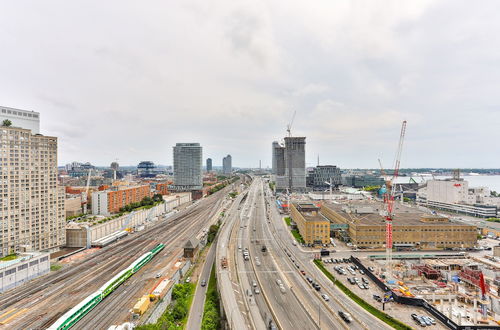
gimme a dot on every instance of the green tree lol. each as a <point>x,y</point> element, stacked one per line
<point>6,123</point>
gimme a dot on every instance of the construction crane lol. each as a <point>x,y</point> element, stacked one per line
<point>390,200</point>
<point>85,196</point>
<point>386,180</point>
<point>289,126</point>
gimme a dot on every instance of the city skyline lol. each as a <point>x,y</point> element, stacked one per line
<point>350,97</point>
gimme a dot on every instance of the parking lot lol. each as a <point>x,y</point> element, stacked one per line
<point>361,285</point>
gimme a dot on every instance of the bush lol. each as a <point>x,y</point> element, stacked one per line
<point>212,231</point>
<point>211,317</point>
<point>288,221</point>
<point>297,236</point>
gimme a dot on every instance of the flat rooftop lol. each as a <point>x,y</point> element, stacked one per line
<point>372,212</point>
<point>309,211</point>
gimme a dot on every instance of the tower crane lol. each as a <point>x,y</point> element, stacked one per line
<point>289,126</point>
<point>390,200</point>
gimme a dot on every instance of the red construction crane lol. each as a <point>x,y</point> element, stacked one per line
<point>390,201</point>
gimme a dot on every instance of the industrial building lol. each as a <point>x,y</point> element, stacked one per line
<point>227,165</point>
<point>188,167</point>
<point>455,195</point>
<point>362,222</point>
<point>209,164</point>
<point>33,215</point>
<point>26,267</point>
<point>313,226</point>
<point>289,164</point>
<point>111,201</point>
<point>323,176</point>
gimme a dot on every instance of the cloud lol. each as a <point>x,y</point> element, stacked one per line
<point>128,81</point>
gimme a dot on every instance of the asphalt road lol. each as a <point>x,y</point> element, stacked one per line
<point>196,312</point>
<point>338,300</point>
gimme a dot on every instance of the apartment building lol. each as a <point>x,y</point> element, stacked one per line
<point>31,203</point>
<point>110,201</point>
<point>188,167</point>
<point>314,227</point>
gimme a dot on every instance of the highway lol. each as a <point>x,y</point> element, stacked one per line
<point>309,311</point>
<point>50,296</point>
<point>338,300</point>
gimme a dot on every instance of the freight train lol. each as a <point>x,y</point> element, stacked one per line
<point>72,316</point>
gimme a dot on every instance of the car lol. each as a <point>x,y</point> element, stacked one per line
<point>302,272</point>
<point>254,283</point>
<point>421,322</point>
<point>345,316</point>
<point>371,269</point>
<point>310,280</point>
<point>239,247</point>
<point>203,282</point>
<point>256,290</point>
<point>325,297</point>
<point>356,279</point>
<point>278,281</point>
<point>426,320</point>
<point>361,285</point>
<point>365,281</point>
<point>188,280</point>
<point>158,275</point>
<point>282,288</point>
<point>362,272</point>
<point>316,287</point>
<point>414,316</point>
<point>249,293</point>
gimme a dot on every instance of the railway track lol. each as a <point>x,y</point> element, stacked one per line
<point>52,295</point>
<point>117,309</point>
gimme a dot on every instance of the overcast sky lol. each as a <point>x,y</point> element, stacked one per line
<point>127,80</point>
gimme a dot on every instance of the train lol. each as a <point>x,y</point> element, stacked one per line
<point>74,315</point>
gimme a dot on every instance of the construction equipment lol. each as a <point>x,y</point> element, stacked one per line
<point>85,196</point>
<point>390,201</point>
<point>289,126</point>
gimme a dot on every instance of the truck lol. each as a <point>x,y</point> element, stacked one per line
<point>223,262</point>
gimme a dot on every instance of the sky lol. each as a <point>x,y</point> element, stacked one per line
<point>127,80</point>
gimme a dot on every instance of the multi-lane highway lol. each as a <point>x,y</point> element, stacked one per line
<point>47,298</point>
<point>338,300</point>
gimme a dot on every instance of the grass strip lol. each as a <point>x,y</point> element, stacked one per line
<point>297,236</point>
<point>396,324</point>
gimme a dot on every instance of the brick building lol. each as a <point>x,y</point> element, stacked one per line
<point>110,201</point>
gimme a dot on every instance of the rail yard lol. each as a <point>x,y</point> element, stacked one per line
<point>45,300</point>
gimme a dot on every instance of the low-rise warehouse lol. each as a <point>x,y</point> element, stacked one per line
<point>314,227</point>
<point>412,228</point>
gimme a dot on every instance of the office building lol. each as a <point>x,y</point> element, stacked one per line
<point>111,201</point>
<point>21,118</point>
<point>188,167</point>
<point>227,166</point>
<point>209,164</point>
<point>361,180</point>
<point>362,222</point>
<point>313,227</point>
<point>320,177</point>
<point>291,164</point>
<point>33,215</point>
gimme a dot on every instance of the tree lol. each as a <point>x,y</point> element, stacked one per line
<point>6,123</point>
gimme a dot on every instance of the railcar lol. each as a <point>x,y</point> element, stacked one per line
<point>74,315</point>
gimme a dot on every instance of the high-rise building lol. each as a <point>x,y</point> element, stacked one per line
<point>188,167</point>
<point>209,164</point>
<point>21,118</point>
<point>293,177</point>
<point>322,176</point>
<point>227,166</point>
<point>32,205</point>
<point>146,169</point>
